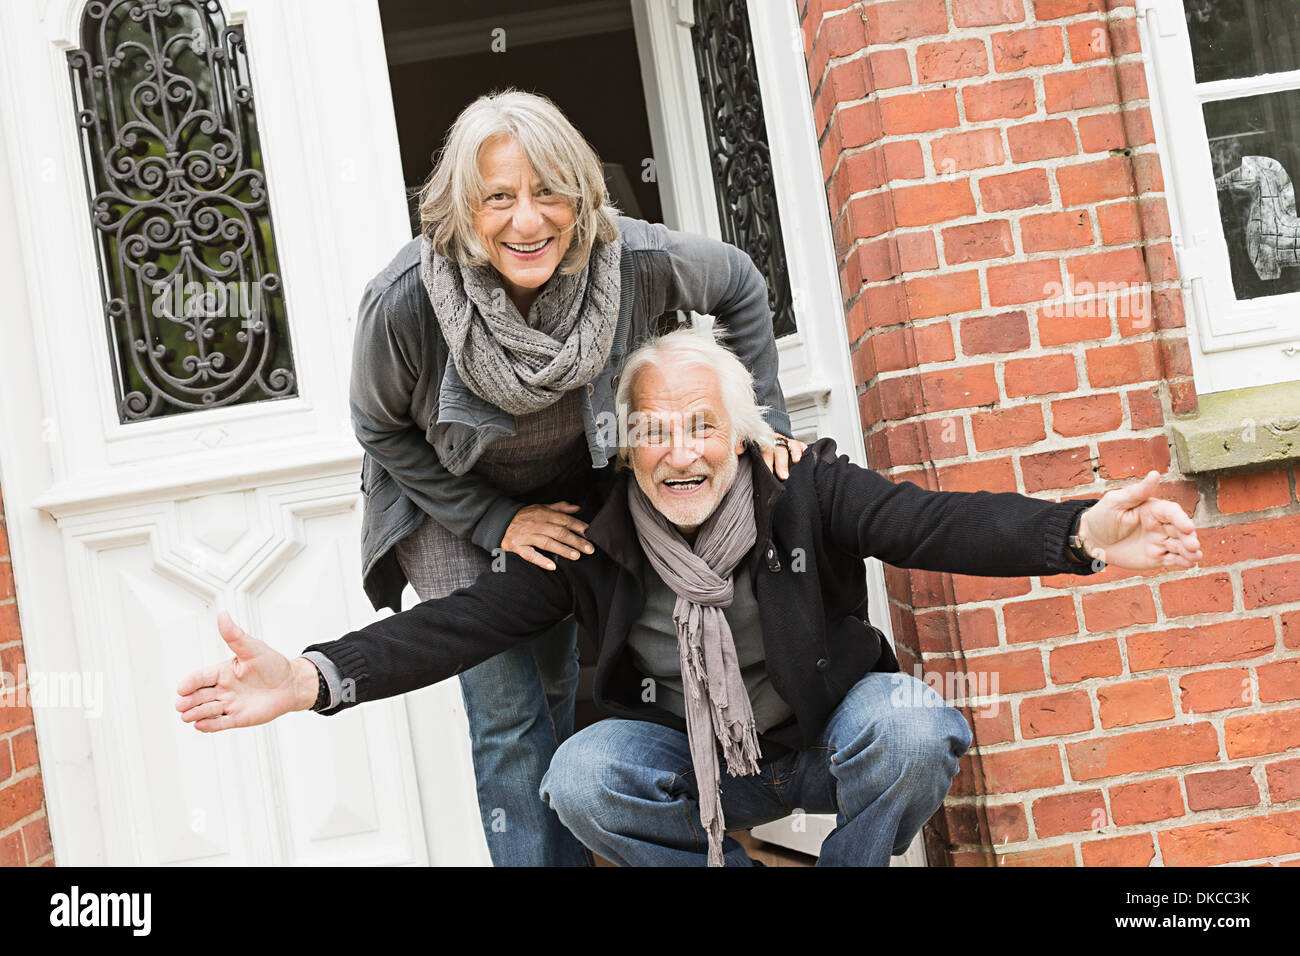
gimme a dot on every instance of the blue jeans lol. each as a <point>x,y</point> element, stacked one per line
<point>883,764</point>
<point>520,708</point>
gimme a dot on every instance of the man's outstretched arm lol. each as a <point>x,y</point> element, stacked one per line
<point>998,534</point>
<point>422,645</point>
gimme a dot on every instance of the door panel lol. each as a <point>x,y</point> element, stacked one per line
<point>128,538</point>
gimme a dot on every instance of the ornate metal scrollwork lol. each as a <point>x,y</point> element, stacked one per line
<point>193,297</point>
<point>738,148</point>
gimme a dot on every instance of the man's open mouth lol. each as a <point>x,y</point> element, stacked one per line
<point>684,484</point>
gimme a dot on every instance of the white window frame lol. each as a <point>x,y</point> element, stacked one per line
<point>1235,344</point>
<point>97,456</point>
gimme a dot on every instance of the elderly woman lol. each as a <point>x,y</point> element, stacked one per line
<point>484,369</point>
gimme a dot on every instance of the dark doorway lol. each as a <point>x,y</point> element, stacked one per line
<point>583,56</point>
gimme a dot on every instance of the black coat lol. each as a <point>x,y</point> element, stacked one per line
<point>809,579</point>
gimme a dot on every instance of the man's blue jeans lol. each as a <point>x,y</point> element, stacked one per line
<point>520,708</point>
<point>883,764</point>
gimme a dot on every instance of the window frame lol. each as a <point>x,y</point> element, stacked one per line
<point>93,89</point>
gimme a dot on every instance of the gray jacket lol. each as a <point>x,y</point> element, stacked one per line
<point>423,429</point>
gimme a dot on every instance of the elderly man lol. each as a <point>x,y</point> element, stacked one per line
<point>730,613</point>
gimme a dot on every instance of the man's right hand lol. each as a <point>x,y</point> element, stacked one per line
<point>257,686</point>
<point>552,527</point>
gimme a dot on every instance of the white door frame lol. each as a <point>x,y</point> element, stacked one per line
<point>816,372</point>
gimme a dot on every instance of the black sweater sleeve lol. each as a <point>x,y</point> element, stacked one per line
<point>440,638</point>
<point>1002,534</point>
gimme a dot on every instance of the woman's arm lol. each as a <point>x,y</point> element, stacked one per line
<point>715,278</point>
<point>386,363</point>
<point>387,358</point>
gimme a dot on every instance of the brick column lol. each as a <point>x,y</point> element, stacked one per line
<point>983,158</point>
<point>24,829</point>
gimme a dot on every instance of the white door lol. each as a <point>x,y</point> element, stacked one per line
<point>129,536</point>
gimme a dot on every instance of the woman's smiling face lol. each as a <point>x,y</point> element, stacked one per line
<point>524,227</point>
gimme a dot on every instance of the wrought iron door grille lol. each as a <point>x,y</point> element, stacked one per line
<point>738,150</point>
<point>193,298</point>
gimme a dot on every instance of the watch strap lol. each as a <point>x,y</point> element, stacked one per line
<point>1075,544</point>
<point>322,691</point>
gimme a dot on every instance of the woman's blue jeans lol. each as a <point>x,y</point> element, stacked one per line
<point>520,708</point>
<point>883,764</point>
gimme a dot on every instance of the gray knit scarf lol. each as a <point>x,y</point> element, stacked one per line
<point>718,710</point>
<point>519,365</point>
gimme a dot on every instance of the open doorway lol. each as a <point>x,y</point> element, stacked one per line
<point>583,56</point>
<point>628,73</point>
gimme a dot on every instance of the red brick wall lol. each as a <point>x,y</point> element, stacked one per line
<point>24,828</point>
<point>978,155</point>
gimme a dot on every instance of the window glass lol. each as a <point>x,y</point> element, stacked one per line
<point>1255,149</point>
<point>193,297</point>
<point>1236,38</point>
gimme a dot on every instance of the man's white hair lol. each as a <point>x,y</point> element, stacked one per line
<point>691,347</point>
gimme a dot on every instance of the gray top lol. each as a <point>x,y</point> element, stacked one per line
<point>653,645</point>
<point>545,445</point>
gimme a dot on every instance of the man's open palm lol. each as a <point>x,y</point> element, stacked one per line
<point>253,688</point>
<point>1131,529</point>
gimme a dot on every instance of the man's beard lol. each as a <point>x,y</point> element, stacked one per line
<point>690,513</point>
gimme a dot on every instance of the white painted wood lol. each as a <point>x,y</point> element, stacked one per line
<point>127,539</point>
<point>1236,343</point>
<point>803,832</point>
<point>302,790</point>
<point>676,117</point>
<point>36,546</point>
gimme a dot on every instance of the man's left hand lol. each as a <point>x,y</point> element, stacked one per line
<point>1131,529</point>
<point>780,457</point>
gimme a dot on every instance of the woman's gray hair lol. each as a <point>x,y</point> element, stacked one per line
<point>560,156</point>
<point>696,347</point>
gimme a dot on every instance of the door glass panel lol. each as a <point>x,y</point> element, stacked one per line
<point>738,148</point>
<point>193,298</point>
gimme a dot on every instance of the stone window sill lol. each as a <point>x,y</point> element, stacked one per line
<point>1242,427</point>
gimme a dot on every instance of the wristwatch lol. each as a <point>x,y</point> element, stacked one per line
<point>1075,544</point>
<point>322,691</point>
